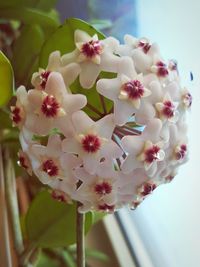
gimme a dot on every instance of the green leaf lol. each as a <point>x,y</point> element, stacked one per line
<point>26,52</point>
<point>45,261</point>
<point>69,259</point>
<point>12,3</point>
<point>95,254</point>
<point>50,223</point>
<point>6,80</point>
<point>29,16</point>
<point>66,257</point>
<point>5,120</point>
<point>93,97</point>
<point>44,5</point>
<point>97,216</point>
<point>90,253</point>
<point>63,40</point>
<point>101,24</point>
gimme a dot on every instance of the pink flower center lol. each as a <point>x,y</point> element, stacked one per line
<point>91,143</point>
<point>173,65</point>
<point>169,178</point>
<point>50,167</point>
<point>44,77</point>
<point>180,154</point>
<point>15,114</point>
<point>147,188</point>
<point>135,204</point>
<point>151,154</point>
<point>168,109</point>
<point>162,69</point>
<point>103,188</point>
<point>60,196</point>
<point>134,89</point>
<point>105,207</point>
<point>187,100</point>
<point>145,46</point>
<point>91,49</point>
<point>22,162</point>
<point>50,106</point>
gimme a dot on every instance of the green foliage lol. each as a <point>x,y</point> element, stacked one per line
<point>45,261</point>
<point>5,120</point>
<point>63,40</point>
<point>50,223</point>
<point>97,255</point>
<point>12,3</point>
<point>97,216</point>
<point>90,254</point>
<point>44,5</point>
<point>25,52</point>
<point>28,16</point>
<point>6,80</point>
<point>101,24</point>
<point>39,20</point>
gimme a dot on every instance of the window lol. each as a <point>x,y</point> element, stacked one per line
<point>164,231</point>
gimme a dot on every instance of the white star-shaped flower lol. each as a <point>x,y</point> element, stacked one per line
<point>126,91</point>
<point>100,187</point>
<point>69,72</point>
<point>18,112</point>
<point>93,56</point>
<point>167,109</point>
<point>53,107</point>
<point>144,151</point>
<point>92,140</point>
<point>51,165</point>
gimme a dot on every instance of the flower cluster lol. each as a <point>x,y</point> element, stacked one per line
<point>121,157</point>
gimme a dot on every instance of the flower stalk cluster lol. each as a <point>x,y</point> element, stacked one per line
<point>108,162</point>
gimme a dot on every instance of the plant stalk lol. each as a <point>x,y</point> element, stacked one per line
<point>5,248</point>
<point>12,201</point>
<point>80,237</point>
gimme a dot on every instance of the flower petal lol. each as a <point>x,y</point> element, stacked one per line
<point>81,36</point>
<point>123,111</point>
<point>74,102</point>
<point>90,163</point>
<point>89,74</point>
<point>70,73</point>
<point>54,145</point>
<point>109,88</point>
<point>126,67</point>
<point>111,150</point>
<point>132,144</point>
<point>54,61</point>
<point>71,145</point>
<point>130,164</point>
<point>105,126</point>
<point>64,124</point>
<point>82,122</point>
<point>55,85</point>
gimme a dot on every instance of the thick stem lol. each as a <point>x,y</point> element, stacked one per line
<point>80,237</point>
<point>103,104</point>
<point>13,201</point>
<point>5,248</point>
<point>95,110</point>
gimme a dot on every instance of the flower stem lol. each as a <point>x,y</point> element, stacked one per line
<point>95,110</point>
<point>12,201</point>
<point>103,104</point>
<point>6,259</point>
<point>80,237</point>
